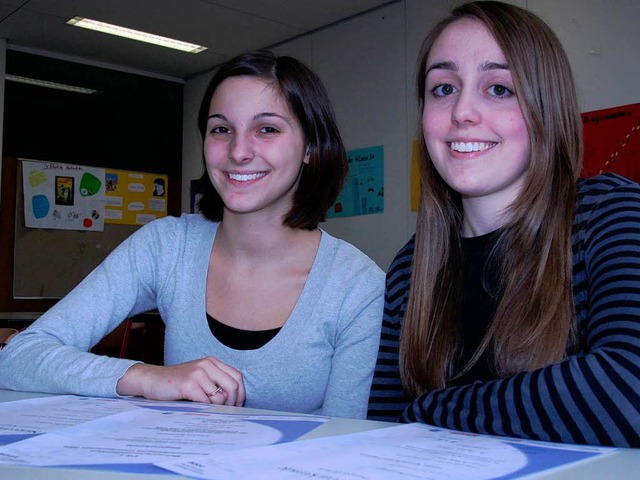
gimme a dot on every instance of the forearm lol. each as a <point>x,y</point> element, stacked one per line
<point>387,398</point>
<point>37,363</point>
<point>571,402</point>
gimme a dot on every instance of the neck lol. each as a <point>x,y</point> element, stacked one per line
<point>486,213</point>
<point>250,237</point>
<point>481,216</point>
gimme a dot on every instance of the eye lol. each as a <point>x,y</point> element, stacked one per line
<point>269,130</point>
<point>443,90</point>
<point>219,130</point>
<point>500,91</point>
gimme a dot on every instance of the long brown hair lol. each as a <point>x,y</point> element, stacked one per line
<point>534,321</point>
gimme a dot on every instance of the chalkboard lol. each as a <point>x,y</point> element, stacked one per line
<point>50,263</point>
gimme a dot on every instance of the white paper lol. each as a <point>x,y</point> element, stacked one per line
<point>399,452</point>
<point>148,435</point>
<point>22,419</point>
<point>40,415</point>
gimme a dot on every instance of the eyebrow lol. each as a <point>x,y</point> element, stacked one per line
<point>255,117</point>
<point>442,66</point>
<point>451,66</point>
<point>493,66</point>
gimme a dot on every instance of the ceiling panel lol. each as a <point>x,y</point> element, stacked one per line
<point>304,14</point>
<point>226,27</point>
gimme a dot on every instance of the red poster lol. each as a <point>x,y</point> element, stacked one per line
<point>612,141</point>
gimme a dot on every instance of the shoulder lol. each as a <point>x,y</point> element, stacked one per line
<point>605,200</point>
<point>167,236</point>
<point>348,259</point>
<point>607,219</point>
<point>401,264</point>
<point>176,227</point>
<point>398,282</point>
<point>183,223</point>
<point>605,189</point>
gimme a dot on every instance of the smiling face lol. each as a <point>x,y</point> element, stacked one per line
<point>472,123</point>
<point>254,147</point>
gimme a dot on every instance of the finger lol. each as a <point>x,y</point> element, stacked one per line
<point>232,383</point>
<point>241,395</point>
<point>218,386</point>
<point>217,397</point>
<point>230,391</point>
<point>217,391</point>
<point>205,381</point>
<point>229,370</point>
<point>235,394</point>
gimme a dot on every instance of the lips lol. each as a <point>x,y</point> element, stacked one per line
<point>467,147</point>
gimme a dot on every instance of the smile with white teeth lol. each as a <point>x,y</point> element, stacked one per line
<point>466,147</point>
<point>245,177</point>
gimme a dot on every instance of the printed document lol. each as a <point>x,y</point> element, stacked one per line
<point>401,452</point>
<point>23,419</point>
<point>142,433</point>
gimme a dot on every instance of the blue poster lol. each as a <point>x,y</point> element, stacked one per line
<point>363,192</point>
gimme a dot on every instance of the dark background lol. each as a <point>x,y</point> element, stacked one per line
<point>133,122</point>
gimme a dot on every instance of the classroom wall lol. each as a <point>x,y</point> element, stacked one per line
<point>368,64</point>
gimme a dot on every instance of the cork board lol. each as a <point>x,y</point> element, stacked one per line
<point>50,263</point>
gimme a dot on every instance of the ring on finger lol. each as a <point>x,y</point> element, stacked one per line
<point>215,392</point>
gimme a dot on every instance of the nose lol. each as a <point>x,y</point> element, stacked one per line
<point>465,109</point>
<point>240,148</point>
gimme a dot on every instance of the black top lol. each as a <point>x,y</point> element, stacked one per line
<point>479,300</point>
<point>240,339</point>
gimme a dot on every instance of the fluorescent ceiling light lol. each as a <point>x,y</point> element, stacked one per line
<point>45,83</point>
<point>136,35</point>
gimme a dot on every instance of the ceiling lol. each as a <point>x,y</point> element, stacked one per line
<point>226,27</point>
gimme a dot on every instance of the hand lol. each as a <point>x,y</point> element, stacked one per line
<point>198,381</point>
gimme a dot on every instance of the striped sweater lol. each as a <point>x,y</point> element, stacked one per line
<point>592,397</point>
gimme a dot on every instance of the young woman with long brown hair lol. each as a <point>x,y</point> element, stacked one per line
<point>515,309</point>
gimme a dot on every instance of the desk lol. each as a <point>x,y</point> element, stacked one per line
<point>621,465</point>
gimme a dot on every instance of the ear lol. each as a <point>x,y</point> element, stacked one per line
<point>305,159</point>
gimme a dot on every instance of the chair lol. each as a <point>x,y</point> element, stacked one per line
<point>6,334</point>
<point>116,343</point>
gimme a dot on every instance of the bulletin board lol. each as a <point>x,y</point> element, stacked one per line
<point>135,198</point>
<point>612,141</point>
<point>50,263</point>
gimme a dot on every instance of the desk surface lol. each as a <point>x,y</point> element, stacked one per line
<point>620,465</point>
